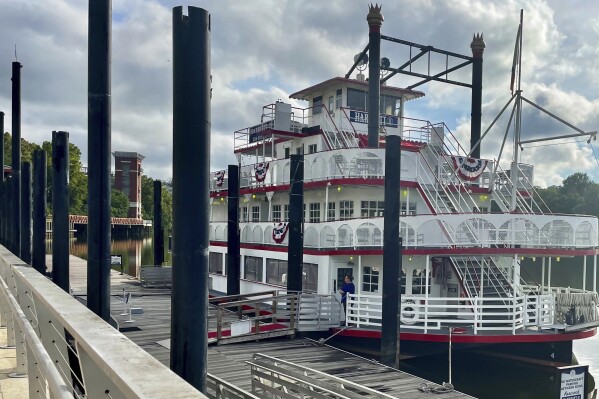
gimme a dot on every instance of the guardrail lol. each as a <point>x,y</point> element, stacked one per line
<point>156,276</point>
<point>62,344</point>
<point>480,314</point>
<point>276,378</point>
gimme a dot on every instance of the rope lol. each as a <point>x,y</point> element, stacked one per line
<point>434,388</point>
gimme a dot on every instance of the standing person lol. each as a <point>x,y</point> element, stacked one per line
<point>348,288</point>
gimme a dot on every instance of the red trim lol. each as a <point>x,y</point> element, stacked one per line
<point>528,252</point>
<point>474,339</point>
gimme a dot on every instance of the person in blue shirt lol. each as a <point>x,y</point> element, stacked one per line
<point>348,288</point>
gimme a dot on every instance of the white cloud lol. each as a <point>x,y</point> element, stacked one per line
<point>263,50</point>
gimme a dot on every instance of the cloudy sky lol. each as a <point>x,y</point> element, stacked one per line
<point>264,50</point>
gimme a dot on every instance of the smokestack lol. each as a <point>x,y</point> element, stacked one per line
<point>478,47</point>
<point>375,21</point>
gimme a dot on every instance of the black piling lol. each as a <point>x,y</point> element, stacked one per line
<point>191,201</point>
<point>2,185</point>
<point>15,199</point>
<point>60,209</point>
<point>26,212</point>
<point>99,158</point>
<point>158,229</point>
<point>375,21</point>
<point>38,251</point>
<point>478,47</point>
<point>233,236</point>
<point>391,255</point>
<point>295,253</point>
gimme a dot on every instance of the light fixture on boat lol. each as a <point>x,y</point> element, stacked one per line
<point>405,192</point>
<point>410,258</point>
<point>351,258</point>
<point>253,196</point>
<point>522,258</point>
<point>222,199</point>
<point>557,258</point>
<point>339,189</point>
<point>534,259</point>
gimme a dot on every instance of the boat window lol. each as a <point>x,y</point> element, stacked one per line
<point>331,99</point>
<point>346,210</point>
<point>370,279</point>
<point>411,211</point>
<point>244,214</point>
<point>331,212</point>
<point>356,99</point>
<point>338,98</point>
<point>255,214</point>
<point>419,281</point>
<point>287,152</point>
<point>310,277</point>
<point>312,148</point>
<point>373,209</point>
<point>316,105</point>
<point>215,262</point>
<point>276,271</point>
<point>252,269</point>
<point>286,208</point>
<point>390,105</point>
<point>315,212</point>
<point>276,213</point>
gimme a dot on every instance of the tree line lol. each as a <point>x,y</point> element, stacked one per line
<point>78,184</point>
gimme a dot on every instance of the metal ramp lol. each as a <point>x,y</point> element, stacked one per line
<point>271,314</point>
<point>276,378</point>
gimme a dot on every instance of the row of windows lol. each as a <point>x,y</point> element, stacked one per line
<point>358,99</point>
<point>276,270</point>
<point>369,209</point>
<point>371,280</point>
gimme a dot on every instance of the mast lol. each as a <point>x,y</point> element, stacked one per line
<point>518,122</point>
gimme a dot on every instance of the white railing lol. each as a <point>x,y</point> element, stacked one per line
<point>62,344</point>
<point>478,314</point>
<point>318,312</point>
<point>460,230</point>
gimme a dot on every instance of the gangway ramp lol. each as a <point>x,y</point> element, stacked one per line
<point>306,368</point>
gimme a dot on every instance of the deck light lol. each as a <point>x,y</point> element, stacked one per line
<point>534,259</point>
<point>557,258</point>
<point>522,258</point>
<point>222,199</point>
<point>410,258</point>
<point>338,188</point>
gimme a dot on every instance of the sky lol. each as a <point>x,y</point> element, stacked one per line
<point>263,50</point>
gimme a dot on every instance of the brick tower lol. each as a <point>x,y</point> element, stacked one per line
<point>127,178</point>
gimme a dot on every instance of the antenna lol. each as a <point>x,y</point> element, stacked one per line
<point>16,59</point>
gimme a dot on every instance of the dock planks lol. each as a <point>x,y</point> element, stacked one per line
<point>228,361</point>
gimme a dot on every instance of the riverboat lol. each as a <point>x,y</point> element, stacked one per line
<point>466,225</point>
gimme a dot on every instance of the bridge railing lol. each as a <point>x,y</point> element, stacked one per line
<point>64,346</point>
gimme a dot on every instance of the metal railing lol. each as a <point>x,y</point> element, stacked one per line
<point>62,344</point>
<point>273,377</point>
<point>478,314</point>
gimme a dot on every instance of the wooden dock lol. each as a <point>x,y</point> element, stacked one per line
<point>151,331</point>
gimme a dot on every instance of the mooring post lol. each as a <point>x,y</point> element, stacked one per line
<point>2,185</point>
<point>375,21</point>
<point>60,209</point>
<point>191,198</point>
<point>233,237</point>
<point>99,158</point>
<point>295,253</point>
<point>26,213</point>
<point>392,254</point>
<point>16,159</point>
<point>38,251</point>
<point>158,229</point>
<point>478,47</point>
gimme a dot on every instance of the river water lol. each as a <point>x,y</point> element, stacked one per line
<point>474,374</point>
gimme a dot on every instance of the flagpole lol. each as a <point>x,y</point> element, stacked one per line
<point>518,123</point>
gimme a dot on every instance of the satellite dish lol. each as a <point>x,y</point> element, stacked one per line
<point>385,63</point>
<point>363,60</point>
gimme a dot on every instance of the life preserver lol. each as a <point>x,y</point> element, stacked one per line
<point>409,313</point>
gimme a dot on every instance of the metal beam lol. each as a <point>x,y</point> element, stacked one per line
<point>296,219</point>
<point>16,159</point>
<point>419,75</point>
<point>357,61</point>
<point>233,256</point>
<point>158,229</point>
<point>407,63</point>
<point>440,74</point>
<point>26,212</point>
<point>566,136</point>
<point>422,46</point>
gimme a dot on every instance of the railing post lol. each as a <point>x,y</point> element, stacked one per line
<point>292,312</point>
<point>257,318</point>
<point>20,350</point>
<point>219,322</point>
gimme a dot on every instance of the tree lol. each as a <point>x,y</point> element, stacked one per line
<point>578,194</point>
<point>119,204</point>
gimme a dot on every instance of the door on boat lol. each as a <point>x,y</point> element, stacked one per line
<point>340,273</point>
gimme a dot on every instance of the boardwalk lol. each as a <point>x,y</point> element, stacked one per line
<point>151,331</point>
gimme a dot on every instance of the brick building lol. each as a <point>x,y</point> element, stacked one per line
<point>127,178</point>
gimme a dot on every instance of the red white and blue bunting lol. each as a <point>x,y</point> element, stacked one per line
<point>469,169</point>
<point>220,178</point>
<point>260,171</point>
<point>279,232</point>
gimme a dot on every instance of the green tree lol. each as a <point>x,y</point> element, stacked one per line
<point>578,195</point>
<point>119,204</point>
